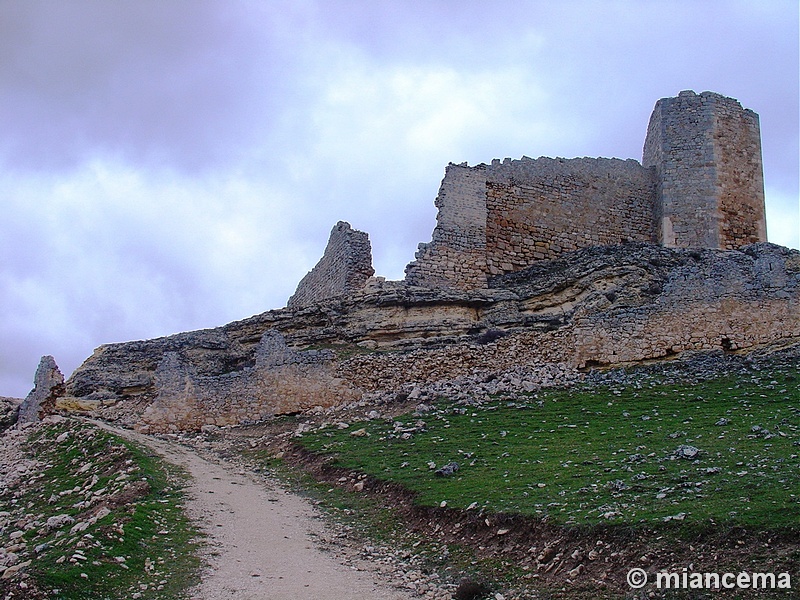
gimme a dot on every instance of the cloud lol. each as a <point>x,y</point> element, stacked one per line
<point>147,81</point>
<point>108,253</point>
<point>783,217</point>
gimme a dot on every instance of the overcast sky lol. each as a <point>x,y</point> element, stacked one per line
<point>170,165</point>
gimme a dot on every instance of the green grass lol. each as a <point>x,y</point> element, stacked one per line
<point>604,455</point>
<point>145,545</point>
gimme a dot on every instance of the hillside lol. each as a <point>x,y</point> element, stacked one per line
<point>689,464</point>
<point>86,515</point>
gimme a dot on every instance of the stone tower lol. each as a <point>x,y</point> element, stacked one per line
<point>706,152</point>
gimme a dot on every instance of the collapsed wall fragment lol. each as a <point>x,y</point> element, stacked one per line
<point>48,386</point>
<point>345,267</point>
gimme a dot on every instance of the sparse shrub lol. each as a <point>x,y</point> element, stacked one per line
<point>469,589</point>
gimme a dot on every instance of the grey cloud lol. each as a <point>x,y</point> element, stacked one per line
<point>149,81</point>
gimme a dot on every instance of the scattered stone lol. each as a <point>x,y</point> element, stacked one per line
<point>13,570</point>
<point>577,571</point>
<point>617,485</point>
<point>59,521</point>
<point>686,452</point>
<point>447,470</point>
<point>679,517</point>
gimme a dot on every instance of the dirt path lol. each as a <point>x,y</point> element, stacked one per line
<point>261,537</point>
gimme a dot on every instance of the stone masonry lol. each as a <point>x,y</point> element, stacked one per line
<point>597,306</point>
<point>281,380</point>
<point>344,267</point>
<point>536,270</point>
<point>500,218</point>
<point>700,186</point>
<point>706,153</point>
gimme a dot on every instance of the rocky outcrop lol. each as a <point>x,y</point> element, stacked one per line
<point>48,385</point>
<point>9,411</point>
<point>598,306</point>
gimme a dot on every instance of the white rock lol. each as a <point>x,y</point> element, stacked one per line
<point>59,521</point>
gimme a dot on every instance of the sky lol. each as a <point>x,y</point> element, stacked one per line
<point>171,165</point>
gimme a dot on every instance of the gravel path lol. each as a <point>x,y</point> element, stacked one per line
<point>261,537</point>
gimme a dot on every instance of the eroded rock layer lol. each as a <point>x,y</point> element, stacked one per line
<point>597,306</point>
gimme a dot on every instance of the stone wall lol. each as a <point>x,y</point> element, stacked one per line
<point>596,306</point>
<point>499,218</point>
<point>701,186</point>
<point>706,152</point>
<point>456,255</point>
<point>611,306</point>
<point>539,209</point>
<point>344,267</point>
<point>282,381</point>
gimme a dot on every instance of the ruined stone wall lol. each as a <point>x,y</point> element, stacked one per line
<point>700,185</point>
<point>539,209</point>
<point>283,380</point>
<point>596,306</point>
<point>456,255</point>
<point>626,305</point>
<point>499,218</point>
<point>706,152</point>
<point>719,301</point>
<point>344,268</point>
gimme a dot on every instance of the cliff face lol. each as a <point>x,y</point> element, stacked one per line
<point>597,306</point>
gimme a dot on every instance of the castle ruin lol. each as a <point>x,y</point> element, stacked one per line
<point>537,271</point>
<point>699,185</point>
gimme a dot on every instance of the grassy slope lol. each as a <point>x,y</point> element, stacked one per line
<point>143,548</point>
<point>600,463</point>
<point>603,455</point>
